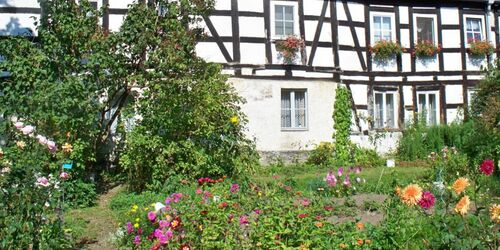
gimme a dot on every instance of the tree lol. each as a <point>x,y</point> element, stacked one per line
<point>79,82</point>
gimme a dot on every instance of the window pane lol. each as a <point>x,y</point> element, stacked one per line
<point>389,100</point>
<point>475,24</point>
<point>289,13</point>
<point>279,29</point>
<point>278,12</point>
<point>377,23</point>
<point>379,111</point>
<point>421,104</point>
<point>477,36</point>
<point>286,112</point>
<point>470,36</point>
<point>386,23</point>
<point>425,29</point>
<point>432,109</point>
<point>300,109</point>
<point>289,28</point>
<point>387,35</point>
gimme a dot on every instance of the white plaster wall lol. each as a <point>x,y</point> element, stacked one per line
<point>475,63</point>
<point>387,65</point>
<point>340,12</point>
<point>323,57</point>
<point>406,62</point>
<point>122,4</point>
<point>449,15</point>
<point>427,64</point>
<point>408,95</point>
<point>454,115</point>
<point>115,22</point>
<point>263,111</point>
<point>223,25</point>
<point>224,4</point>
<point>17,24</point>
<point>20,3</point>
<point>252,27</point>
<point>345,36</point>
<point>255,6</point>
<point>314,7</point>
<point>210,52</point>
<point>451,39</point>
<point>387,144</point>
<point>454,94</point>
<point>403,14</point>
<point>359,94</point>
<point>452,61</point>
<point>349,60</point>
<point>251,53</point>
<point>357,11</point>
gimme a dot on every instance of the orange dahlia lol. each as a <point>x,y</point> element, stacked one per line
<point>495,213</point>
<point>397,190</point>
<point>411,194</point>
<point>460,185</point>
<point>462,206</point>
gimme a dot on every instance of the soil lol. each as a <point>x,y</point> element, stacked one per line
<point>366,215</point>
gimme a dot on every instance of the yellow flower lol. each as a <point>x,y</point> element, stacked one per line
<point>135,207</point>
<point>411,194</point>
<point>460,185</point>
<point>260,194</point>
<point>318,224</point>
<point>21,144</point>
<point>462,206</point>
<point>234,120</point>
<point>67,148</point>
<point>495,213</point>
<point>137,219</point>
<point>136,225</point>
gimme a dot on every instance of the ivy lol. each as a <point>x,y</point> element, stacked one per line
<point>342,124</point>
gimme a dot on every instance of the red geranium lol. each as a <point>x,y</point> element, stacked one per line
<point>487,167</point>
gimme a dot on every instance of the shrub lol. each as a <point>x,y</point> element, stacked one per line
<point>367,158</point>
<point>426,49</point>
<point>385,50</point>
<point>322,154</point>
<point>79,194</point>
<point>480,48</point>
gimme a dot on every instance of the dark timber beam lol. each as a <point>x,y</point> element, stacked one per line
<point>335,32</point>
<point>318,33</point>
<point>354,35</point>
<point>214,33</point>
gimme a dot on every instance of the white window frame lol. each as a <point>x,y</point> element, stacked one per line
<point>482,27</point>
<point>292,108</point>
<point>382,14</point>
<point>438,105</point>
<point>471,94</point>
<point>295,6</point>
<point>384,101</point>
<point>415,31</point>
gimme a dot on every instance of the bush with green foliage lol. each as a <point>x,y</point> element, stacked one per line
<point>367,157</point>
<point>342,115</point>
<point>322,154</point>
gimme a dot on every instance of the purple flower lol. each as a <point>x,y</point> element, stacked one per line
<point>427,200</point>
<point>64,175</point>
<point>137,240</point>
<point>52,146</point>
<point>340,171</point>
<point>129,227</point>
<point>244,220</point>
<point>152,216</point>
<point>234,188</point>
<point>169,234</point>
<point>168,201</point>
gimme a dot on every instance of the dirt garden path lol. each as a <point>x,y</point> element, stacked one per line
<point>100,221</point>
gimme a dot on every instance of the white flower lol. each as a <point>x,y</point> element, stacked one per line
<point>47,204</point>
<point>13,119</point>
<point>19,125</point>
<point>216,198</point>
<point>159,207</point>
<point>42,139</point>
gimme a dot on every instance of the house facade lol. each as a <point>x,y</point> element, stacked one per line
<point>290,104</point>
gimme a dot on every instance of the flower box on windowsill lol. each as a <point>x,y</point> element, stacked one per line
<point>289,49</point>
<point>480,48</point>
<point>385,50</point>
<point>426,49</point>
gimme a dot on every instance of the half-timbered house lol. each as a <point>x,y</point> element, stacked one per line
<point>290,106</point>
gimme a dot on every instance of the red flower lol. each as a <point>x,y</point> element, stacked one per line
<point>328,208</point>
<point>185,246</point>
<point>223,205</point>
<point>302,216</point>
<point>204,212</point>
<point>487,167</point>
<point>427,200</point>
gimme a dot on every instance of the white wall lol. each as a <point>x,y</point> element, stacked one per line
<point>263,109</point>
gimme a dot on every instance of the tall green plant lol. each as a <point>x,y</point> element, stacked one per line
<point>342,123</point>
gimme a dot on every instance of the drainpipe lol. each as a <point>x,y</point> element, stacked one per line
<point>489,36</point>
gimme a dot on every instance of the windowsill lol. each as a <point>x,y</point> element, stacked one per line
<point>294,129</point>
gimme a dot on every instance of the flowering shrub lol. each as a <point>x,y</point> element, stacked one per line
<point>384,50</point>
<point>426,49</point>
<point>289,48</point>
<point>480,48</point>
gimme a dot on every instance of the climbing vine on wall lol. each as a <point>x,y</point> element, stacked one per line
<point>342,123</point>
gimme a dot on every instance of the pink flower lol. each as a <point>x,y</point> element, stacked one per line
<point>41,139</point>
<point>52,146</point>
<point>302,216</point>
<point>19,125</point>
<point>487,167</point>
<point>234,188</point>
<point>137,240</point>
<point>244,220</point>
<point>257,211</point>
<point>157,233</point>
<point>330,179</point>
<point>340,171</point>
<point>358,170</point>
<point>28,130</point>
<point>347,181</point>
<point>42,181</point>
<point>427,200</point>
<point>64,175</point>
<point>151,216</point>
<point>169,234</point>
<point>129,227</point>
<point>199,191</point>
<point>164,224</point>
<point>305,202</point>
<point>176,197</point>
<point>163,239</point>
<point>168,201</point>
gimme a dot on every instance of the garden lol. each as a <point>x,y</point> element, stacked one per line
<point>129,140</point>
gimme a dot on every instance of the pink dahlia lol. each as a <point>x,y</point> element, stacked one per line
<point>234,188</point>
<point>427,200</point>
<point>487,167</point>
<point>151,216</point>
<point>244,220</point>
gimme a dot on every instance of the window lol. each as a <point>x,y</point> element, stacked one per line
<point>284,20</point>
<point>473,28</point>
<point>294,109</point>
<point>382,28</point>
<point>385,113</point>
<point>428,104</point>
<point>425,28</point>
<point>471,95</point>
